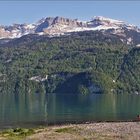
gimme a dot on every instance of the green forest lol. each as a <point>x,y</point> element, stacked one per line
<point>80,63</point>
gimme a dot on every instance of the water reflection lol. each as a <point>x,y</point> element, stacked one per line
<point>39,108</point>
<point>22,109</point>
<point>105,107</point>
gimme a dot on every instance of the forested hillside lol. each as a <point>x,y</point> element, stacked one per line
<point>84,62</point>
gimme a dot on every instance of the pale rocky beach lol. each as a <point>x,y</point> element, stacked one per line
<point>93,131</point>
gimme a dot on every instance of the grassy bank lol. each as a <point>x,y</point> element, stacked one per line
<point>97,131</point>
<point>16,134</point>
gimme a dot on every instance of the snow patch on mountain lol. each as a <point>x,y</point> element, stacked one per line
<point>101,18</point>
<point>54,26</point>
<point>30,26</point>
<point>138,45</point>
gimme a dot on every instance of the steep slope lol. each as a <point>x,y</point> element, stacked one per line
<point>56,26</point>
<point>69,56</point>
<point>93,62</point>
<point>130,71</point>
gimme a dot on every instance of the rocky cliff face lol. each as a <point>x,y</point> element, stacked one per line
<point>4,33</point>
<point>59,25</point>
<point>53,26</point>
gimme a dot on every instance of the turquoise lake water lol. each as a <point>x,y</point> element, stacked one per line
<point>31,110</point>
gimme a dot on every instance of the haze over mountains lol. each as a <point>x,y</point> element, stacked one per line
<point>56,26</point>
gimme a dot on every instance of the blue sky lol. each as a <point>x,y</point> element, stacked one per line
<point>31,11</point>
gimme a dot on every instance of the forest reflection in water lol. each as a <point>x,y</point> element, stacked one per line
<point>37,109</point>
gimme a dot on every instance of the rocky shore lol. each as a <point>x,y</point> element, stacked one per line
<point>91,131</point>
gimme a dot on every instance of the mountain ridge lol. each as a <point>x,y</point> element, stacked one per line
<point>84,62</point>
<point>56,26</point>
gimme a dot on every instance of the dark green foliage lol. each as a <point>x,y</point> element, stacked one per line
<point>17,133</point>
<point>73,63</point>
<point>130,71</point>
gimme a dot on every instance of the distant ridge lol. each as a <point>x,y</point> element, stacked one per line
<point>56,26</point>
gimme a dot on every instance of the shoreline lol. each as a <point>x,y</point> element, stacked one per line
<point>90,122</point>
<point>100,130</point>
<point>35,125</point>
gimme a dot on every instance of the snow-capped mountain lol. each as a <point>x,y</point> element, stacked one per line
<point>53,26</point>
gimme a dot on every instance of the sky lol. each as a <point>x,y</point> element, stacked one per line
<point>31,11</point>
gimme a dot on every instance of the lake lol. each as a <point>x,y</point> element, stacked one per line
<point>37,109</point>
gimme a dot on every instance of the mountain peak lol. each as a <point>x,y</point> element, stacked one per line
<point>60,25</point>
